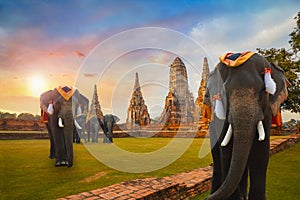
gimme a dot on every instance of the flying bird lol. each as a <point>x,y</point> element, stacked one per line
<point>79,54</point>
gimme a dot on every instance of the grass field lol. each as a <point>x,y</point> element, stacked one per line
<point>27,172</point>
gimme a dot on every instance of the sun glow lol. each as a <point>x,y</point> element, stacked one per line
<point>36,85</point>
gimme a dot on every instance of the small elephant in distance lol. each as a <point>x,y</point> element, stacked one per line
<point>94,124</point>
<point>108,125</point>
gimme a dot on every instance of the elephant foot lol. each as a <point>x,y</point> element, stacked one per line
<point>61,163</point>
<point>70,164</point>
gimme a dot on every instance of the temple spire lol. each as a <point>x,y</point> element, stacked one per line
<point>95,108</point>
<point>137,114</point>
<point>201,92</point>
<point>179,103</point>
<point>137,82</point>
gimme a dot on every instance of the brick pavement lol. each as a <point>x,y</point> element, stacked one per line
<point>179,186</point>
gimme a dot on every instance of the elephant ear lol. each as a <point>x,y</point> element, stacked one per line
<point>79,98</point>
<point>116,118</point>
<point>46,97</point>
<point>281,88</point>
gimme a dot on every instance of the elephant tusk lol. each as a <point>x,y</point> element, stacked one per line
<point>77,125</point>
<point>261,132</point>
<point>219,109</point>
<point>60,123</point>
<point>227,136</point>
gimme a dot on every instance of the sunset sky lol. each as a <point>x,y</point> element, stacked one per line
<point>44,44</point>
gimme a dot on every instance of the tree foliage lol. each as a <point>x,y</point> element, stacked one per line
<point>26,116</point>
<point>7,115</point>
<point>289,61</point>
<point>21,116</point>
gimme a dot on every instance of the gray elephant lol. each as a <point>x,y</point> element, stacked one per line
<point>250,104</point>
<point>108,125</point>
<point>215,93</point>
<point>61,120</point>
<point>94,124</point>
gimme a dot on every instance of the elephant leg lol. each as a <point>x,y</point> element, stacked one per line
<point>77,134</point>
<point>93,134</point>
<point>52,144</point>
<point>110,126</point>
<point>97,134</point>
<point>88,134</point>
<point>74,135</point>
<point>95,137</point>
<point>59,142</point>
<point>68,130</point>
<point>111,137</point>
<point>105,137</point>
<point>216,156</point>
<point>105,133</point>
<point>217,170</point>
<point>258,164</point>
<point>69,148</point>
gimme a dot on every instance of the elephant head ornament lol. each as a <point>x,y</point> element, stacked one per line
<point>62,121</point>
<point>249,109</point>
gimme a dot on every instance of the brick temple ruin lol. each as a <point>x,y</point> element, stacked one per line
<point>137,113</point>
<point>180,108</point>
<point>201,93</point>
<point>179,103</point>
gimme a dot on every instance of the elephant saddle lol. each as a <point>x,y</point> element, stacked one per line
<point>66,92</point>
<point>235,59</point>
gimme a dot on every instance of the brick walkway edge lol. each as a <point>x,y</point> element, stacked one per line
<point>179,186</point>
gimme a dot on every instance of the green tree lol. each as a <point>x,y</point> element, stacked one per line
<point>26,116</point>
<point>290,63</point>
<point>295,37</point>
<point>6,115</point>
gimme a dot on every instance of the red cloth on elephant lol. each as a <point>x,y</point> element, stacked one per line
<point>277,120</point>
<point>44,116</point>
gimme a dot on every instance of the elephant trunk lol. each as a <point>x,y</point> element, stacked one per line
<point>241,148</point>
<point>68,134</point>
<point>244,114</point>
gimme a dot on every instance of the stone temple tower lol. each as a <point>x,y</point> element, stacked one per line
<point>95,108</point>
<point>137,113</point>
<point>179,103</point>
<point>201,92</point>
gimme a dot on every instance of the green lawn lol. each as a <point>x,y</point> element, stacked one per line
<point>28,173</point>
